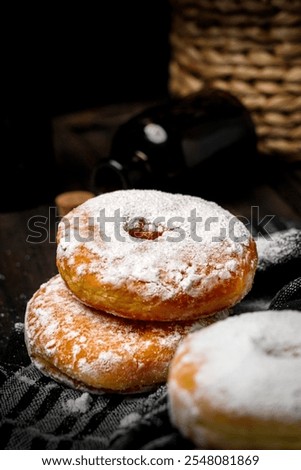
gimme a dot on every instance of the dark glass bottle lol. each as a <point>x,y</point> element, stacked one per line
<point>200,145</point>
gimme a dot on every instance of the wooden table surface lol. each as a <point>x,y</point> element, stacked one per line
<point>24,265</point>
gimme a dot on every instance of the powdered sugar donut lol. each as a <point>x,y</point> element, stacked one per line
<point>237,384</point>
<point>149,255</point>
<point>94,351</point>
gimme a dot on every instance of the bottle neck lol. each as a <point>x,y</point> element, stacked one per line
<point>111,175</point>
<point>108,176</point>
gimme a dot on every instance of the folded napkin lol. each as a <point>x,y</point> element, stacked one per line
<point>38,413</point>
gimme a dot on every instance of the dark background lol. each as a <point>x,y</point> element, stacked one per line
<point>56,62</point>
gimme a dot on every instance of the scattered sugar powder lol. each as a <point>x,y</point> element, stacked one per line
<point>278,248</point>
<point>193,234</point>
<point>130,419</point>
<point>23,378</point>
<point>78,405</point>
<point>19,327</point>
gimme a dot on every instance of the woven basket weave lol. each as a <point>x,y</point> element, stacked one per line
<point>251,48</point>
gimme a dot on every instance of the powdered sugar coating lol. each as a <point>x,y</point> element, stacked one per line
<point>198,244</point>
<point>94,350</point>
<point>247,367</point>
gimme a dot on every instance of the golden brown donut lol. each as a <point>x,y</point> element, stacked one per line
<point>237,384</point>
<point>94,351</point>
<point>149,255</point>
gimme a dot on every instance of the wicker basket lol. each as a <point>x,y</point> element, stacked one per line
<point>251,48</point>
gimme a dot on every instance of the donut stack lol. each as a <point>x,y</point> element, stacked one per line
<point>138,270</point>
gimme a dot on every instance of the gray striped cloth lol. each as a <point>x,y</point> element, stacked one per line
<point>38,413</point>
